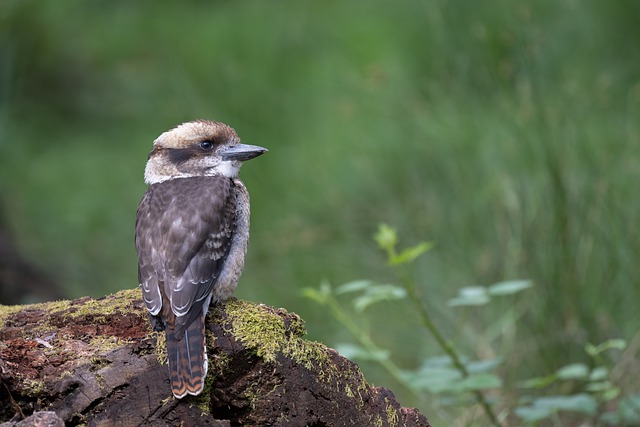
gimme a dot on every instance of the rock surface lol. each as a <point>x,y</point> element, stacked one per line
<point>96,362</point>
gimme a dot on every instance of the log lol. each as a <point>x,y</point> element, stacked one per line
<point>97,362</point>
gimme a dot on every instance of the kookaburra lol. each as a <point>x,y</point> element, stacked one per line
<point>191,235</point>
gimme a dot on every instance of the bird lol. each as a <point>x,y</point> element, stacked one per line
<point>191,235</point>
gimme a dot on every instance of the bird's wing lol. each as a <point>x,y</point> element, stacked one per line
<point>198,230</point>
<point>183,235</point>
<point>145,239</point>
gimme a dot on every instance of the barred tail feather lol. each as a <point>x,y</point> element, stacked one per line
<point>187,359</point>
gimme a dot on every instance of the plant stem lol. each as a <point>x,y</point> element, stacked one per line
<point>445,344</point>
<point>367,342</point>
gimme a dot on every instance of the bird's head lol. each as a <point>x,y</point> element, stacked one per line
<point>198,148</point>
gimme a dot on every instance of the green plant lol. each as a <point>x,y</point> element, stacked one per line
<point>453,373</point>
<point>594,391</point>
<point>464,381</point>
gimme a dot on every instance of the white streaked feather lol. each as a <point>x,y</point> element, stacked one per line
<point>153,304</point>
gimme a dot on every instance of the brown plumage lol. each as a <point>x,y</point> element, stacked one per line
<point>192,228</point>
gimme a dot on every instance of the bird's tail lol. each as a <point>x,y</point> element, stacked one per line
<point>187,359</point>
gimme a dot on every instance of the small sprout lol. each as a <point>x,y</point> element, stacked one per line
<point>386,237</point>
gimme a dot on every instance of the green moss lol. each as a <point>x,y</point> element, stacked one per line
<point>98,362</point>
<point>348,391</point>
<point>100,310</point>
<point>357,394</point>
<point>103,344</point>
<point>32,387</point>
<point>8,310</point>
<point>161,347</point>
<point>101,381</point>
<point>261,329</point>
<point>392,414</point>
<point>52,317</point>
<point>282,420</point>
<point>255,395</point>
<point>203,400</point>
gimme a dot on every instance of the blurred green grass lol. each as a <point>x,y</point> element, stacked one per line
<point>505,132</point>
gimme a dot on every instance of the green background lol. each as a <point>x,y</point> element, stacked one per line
<point>505,132</point>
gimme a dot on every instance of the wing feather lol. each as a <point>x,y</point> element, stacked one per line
<point>188,223</point>
<point>147,277</point>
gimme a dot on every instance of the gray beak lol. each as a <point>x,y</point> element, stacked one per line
<point>242,152</point>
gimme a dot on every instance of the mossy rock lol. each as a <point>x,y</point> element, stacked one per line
<point>97,362</point>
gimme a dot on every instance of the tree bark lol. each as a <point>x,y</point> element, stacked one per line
<point>97,362</point>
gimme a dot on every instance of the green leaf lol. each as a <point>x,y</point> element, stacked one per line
<point>531,414</point>
<point>437,375</point>
<point>582,403</point>
<point>409,255</point>
<point>613,344</point>
<point>479,366</point>
<point>611,394</point>
<point>599,386</point>
<point>628,409</point>
<point>599,373</point>
<point>433,379</point>
<point>354,286</point>
<point>537,382</point>
<point>544,407</point>
<point>471,295</point>
<point>575,371</point>
<point>611,418</point>
<point>320,294</point>
<point>386,237</point>
<point>509,287</point>
<point>376,293</point>
<point>434,375</point>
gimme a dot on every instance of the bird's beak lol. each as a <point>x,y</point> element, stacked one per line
<point>242,152</point>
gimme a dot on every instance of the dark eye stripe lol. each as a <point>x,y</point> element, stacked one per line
<point>178,156</point>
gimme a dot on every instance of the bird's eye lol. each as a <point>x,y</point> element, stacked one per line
<point>206,145</point>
